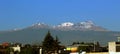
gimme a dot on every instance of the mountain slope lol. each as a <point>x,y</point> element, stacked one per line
<point>66,37</point>
<point>66,34</point>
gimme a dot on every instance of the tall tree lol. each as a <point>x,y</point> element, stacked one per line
<point>48,43</point>
<point>57,41</point>
<point>56,44</point>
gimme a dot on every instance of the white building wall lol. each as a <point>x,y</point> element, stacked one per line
<point>16,48</point>
<point>112,47</point>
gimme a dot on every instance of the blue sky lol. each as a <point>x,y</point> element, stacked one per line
<point>23,13</point>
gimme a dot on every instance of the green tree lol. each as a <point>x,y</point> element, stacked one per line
<point>48,43</point>
<point>27,49</point>
<point>56,44</point>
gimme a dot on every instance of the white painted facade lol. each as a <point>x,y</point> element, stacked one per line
<point>17,48</point>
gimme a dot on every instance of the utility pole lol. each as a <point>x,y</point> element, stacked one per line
<point>94,46</point>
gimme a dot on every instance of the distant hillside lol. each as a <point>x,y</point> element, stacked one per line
<point>37,32</point>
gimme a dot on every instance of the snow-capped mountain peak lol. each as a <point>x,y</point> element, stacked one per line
<point>40,25</point>
<point>85,25</point>
<point>66,24</point>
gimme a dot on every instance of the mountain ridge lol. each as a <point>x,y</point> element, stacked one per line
<point>85,25</point>
<point>68,33</point>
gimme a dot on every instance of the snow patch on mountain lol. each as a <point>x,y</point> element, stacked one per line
<point>39,25</point>
<point>85,25</point>
<point>66,24</point>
